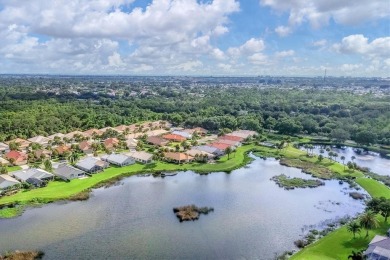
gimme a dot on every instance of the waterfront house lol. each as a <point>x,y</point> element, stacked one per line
<point>229,142</point>
<point>4,148</point>
<point>7,181</point>
<point>142,157</point>
<point>16,157</point>
<point>67,172</point>
<point>34,176</point>
<point>91,165</point>
<point>194,153</point>
<point>156,140</point>
<point>118,159</point>
<point>178,157</point>
<point>111,143</point>
<point>174,138</point>
<point>209,149</point>
<point>220,146</point>
<point>378,248</point>
<point>41,140</point>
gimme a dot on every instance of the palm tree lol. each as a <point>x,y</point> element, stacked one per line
<point>228,151</point>
<point>73,158</point>
<point>353,158</point>
<point>343,159</point>
<point>354,228</point>
<point>368,221</point>
<point>14,146</point>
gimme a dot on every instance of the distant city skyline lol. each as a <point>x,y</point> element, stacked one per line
<point>189,37</point>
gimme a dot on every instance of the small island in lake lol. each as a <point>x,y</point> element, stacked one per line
<point>190,212</point>
<point>22,255</point>
<point>288,183</point>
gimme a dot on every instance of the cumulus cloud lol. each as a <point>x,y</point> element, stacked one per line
<point>319,12</point>
<point>284,54</point>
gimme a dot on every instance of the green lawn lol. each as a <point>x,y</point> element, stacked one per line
<point>339,244</point>
<point>374,188</point>
<point>14,168</point>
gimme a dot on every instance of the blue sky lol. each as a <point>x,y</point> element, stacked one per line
<point>190,37</point>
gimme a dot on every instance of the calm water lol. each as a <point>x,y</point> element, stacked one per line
<point>371,160</point>
<point>253,218</point>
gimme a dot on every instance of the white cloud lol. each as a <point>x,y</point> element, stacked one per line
<point>358,44</point>
<point>283,31</point>
<point>115,60</point>
<point>320,43</point>
<point>318,13</point>
<point>284,54</point>
<point>250,47</point>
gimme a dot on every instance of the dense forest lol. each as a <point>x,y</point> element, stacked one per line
<point>43,108</point>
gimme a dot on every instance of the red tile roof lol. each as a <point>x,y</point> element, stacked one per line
<point>178,156</point>
<point>111,142</point>
<point>156,140</point>
<point>220,146</point>
<point>232,138</point>
<point>173,137</point>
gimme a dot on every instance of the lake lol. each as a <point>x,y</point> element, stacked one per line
<point>253,217</point>
<point>371,160</point>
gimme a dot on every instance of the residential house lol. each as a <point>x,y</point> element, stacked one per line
<point>111,143</point>
<point>131,144</point>
<point>174,137</point>
<point>42,154</point>
<point>231,138</point>
<point>4,148</point>
<point>220,146</point>
<point>86,147</point>
<point>59,135</point>
<point>229,142</point>
<point>91,132</point>
<point>62,149</point>
<point>7,181</point>
<point>199,130</point>
<point>183,134</point>
<point>74,134</point>
<point>194,153</point>
<point>118,159</point>
<point>33,176</point>
<point>23,144</point>
<point>4,162</point>
<point>243,133</point>
<point>156,132</point>
<point>16,157</point>
<point>210,149</point>
<point>378,248</point>
<point>122,128</point>
<point>41,140</point>
<point>91,165</point>
<point>156,140</point>
<point>142,157</point>
<point>178,157</point>
<point>67,172</point>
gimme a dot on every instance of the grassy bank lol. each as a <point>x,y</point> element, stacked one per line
<point>340,243</point>
<point>59,190</point>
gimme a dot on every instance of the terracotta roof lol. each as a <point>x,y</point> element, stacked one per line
<point>91,131</point>
<point>85,145</point>
<point>111,142</point>
<point>16,155</point>
<point>178,156</point>
<point>220,146</point>
<point>173,137</point>
<point>156,140</point>
<point>63,148</point>
<point>232,138</point>
<point>229,142</point>
<point>121,128</point>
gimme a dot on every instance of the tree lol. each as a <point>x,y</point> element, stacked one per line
<point>343,159</point>
<point>353,227</point>
<point>320,157</point>
<point>339,135</point>
<point>356,255</point>
<point>73,158</point>
<point>48,165</point>
<point>14,146</point>
<point>228,151</point>
<point>380,205</point>
<point>368,221</point>
<point>365,137</point>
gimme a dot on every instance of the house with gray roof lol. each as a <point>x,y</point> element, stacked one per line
<point>118,159</point>
<point>7,181</point>
<point>91,165</point>
<point>67,172</point>
<point>183,134</point>
<point>4,148</point>
<point>141,156</point>
<point>33,176</point>
<point>378,248</point>
<point>209,149</point>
